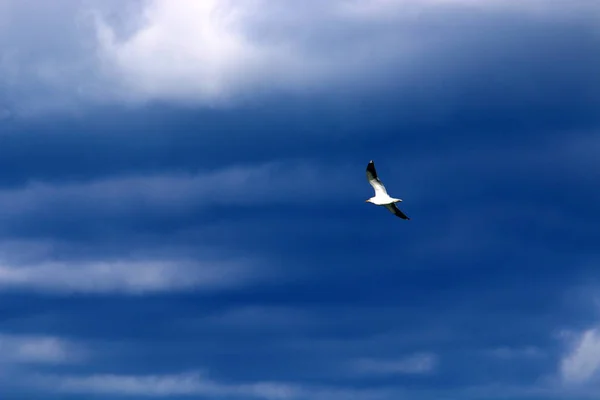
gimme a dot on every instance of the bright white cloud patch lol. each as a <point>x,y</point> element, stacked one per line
<point>183,49</point>
<point>583,361</point>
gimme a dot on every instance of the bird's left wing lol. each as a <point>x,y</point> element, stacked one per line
<point>396,211</point>
<point>374,180</point>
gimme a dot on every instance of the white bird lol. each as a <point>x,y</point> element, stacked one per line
<point>381,197</point>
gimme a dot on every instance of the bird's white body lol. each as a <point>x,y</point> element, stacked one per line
<point>381,197</point>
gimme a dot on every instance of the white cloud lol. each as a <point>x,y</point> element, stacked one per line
<point>41,266</point>
<point>583,361</point>
<point>32,349</point>
<point>215,51</point>
<point>135,276</point>
<point>197,384</point>
<point>421,363</point>
<point>169,385</point>
<point>382,8</point>
<point>184,49</point>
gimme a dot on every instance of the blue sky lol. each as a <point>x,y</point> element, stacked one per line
<point>182,191</point>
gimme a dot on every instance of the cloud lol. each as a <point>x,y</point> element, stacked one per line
<point>213,52</point>
<point>184,384</point>
<point>218,50</point>
<point>202,52</point>
<point>583,361</point>
<point>421,363</point>
<point>32,349</point>
<point>123,253</point>
<point>236,185</point>
<point>114,205</point>
<point>197,384</point>
<point>510,353</point>
<point>134,277</point>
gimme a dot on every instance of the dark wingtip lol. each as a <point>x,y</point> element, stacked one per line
<point>371,169</point>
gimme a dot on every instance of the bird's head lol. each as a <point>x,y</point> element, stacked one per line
<point>369,200</point>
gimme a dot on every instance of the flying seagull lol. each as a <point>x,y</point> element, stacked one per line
<point>381,197</point>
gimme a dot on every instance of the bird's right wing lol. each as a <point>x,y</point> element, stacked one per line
<point>396,211</point>
<point>374,180</point>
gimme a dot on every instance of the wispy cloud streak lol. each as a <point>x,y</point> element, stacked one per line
<point>134,277</point>
<point>422,363</point>
<point>38,349</point>
<point>186,384</point>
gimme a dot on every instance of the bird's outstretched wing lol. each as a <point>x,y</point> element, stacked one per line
<point>396,211</point>
<point>374,180</point>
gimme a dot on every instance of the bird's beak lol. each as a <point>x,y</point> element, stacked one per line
<point>366,201</point>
